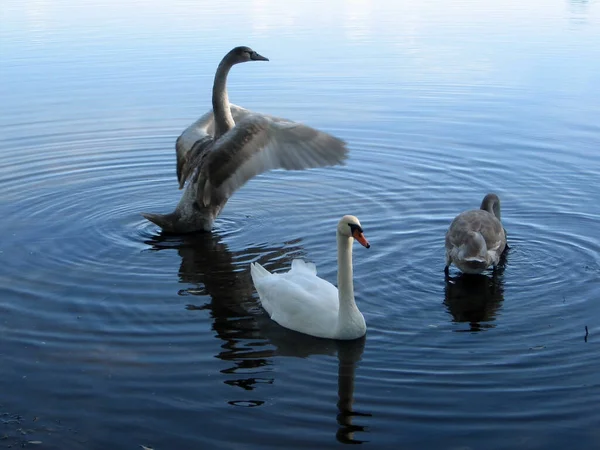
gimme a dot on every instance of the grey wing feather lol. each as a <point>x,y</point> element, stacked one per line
<point>259,143</point>
<point>195,138</point>
<point>476,220</point>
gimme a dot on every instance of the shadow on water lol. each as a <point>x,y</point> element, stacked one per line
<point>349,354</point>
<point>221,277</point>
<point>475,299</point>
<point>250,338</point>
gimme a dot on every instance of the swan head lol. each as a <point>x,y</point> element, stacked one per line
<point>491,204</point>
<point>244,54</point>
<point>349,226</point>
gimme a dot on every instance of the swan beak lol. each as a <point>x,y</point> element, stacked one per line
<point>360,237</point>
<point>256,57</point>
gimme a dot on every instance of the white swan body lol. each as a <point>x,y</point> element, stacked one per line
<point>476,239</point>
<point>229,145</point>
<point>301,301</point>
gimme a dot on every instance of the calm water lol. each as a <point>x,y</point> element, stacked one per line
<point>113,336</point>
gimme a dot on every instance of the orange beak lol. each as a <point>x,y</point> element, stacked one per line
<point>360,237</point>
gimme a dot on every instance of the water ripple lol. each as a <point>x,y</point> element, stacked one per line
<point>133,320</point>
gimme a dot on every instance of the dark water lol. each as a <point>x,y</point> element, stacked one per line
<point>112,336</point>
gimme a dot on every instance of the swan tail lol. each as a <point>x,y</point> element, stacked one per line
<point>168,222</point>
<point>475,248</point>
<point>257,271</point>
<point>475,259</point>
<point>298,264</point>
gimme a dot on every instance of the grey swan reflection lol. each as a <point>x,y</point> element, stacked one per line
<point>475,298</point>
<point>250,338</point>
<point>220,277</point>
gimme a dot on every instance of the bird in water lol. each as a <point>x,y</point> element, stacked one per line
<point>229,145</point>
<point>302,301</point>
<point>476,239</point>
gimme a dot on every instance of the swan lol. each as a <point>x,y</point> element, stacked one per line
<point>476,239</point>
<point>301,301</point>
<point>229,145</point>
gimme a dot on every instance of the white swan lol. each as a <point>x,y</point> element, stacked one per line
<point>476,239</point>
<point>301,301</point>
<point>229,145</point>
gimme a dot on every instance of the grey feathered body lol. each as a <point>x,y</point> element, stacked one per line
<point>476,239</point>
<point>211,170</point>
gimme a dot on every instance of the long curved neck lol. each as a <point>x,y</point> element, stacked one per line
<point>491,204</point>
<point>345,281</point>
<point>496,209</point>
<point>223,118</point>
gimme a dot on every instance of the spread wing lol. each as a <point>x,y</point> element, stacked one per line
<point>259,143</point>
<point>194,140</point>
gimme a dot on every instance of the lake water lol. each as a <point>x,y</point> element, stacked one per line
<point>113,336</point>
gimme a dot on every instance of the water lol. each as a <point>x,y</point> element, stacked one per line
<point>113,336</point>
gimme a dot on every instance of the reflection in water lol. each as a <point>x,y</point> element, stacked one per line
<point>223,278</point>
<point>578,11</point>
<point>349,353</point>
<point>475,298</point>
<point>357,17</point>
<point>251,339</point>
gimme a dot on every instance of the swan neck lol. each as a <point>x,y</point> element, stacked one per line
<point>491,204</point>
<point>496,209</point>
<point>221,109</point>
<point>345,279</point>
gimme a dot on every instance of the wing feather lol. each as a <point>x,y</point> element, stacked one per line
<point>195,138</point>
<point>259,143</point>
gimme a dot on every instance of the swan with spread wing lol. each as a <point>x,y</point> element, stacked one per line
<point>229,145</point>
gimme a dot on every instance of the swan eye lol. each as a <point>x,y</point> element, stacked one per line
<point>354,227</point>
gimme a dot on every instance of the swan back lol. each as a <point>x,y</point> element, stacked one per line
<point>299,265</point>
<point>476,239</point>
<point>298,299</point>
